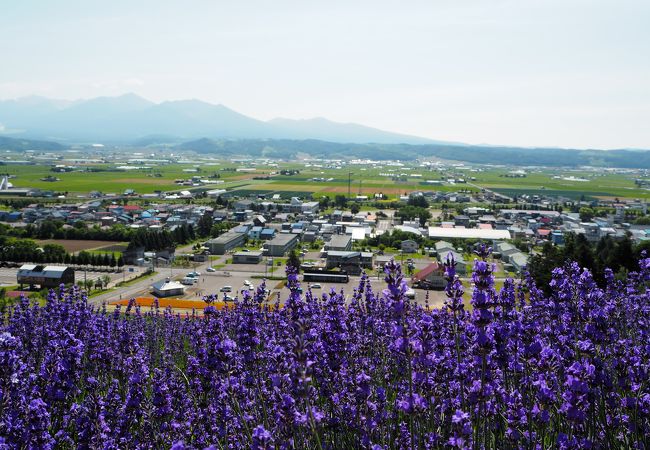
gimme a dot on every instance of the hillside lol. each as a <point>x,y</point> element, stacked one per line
<point>552,157</point>
<point>13,144</point>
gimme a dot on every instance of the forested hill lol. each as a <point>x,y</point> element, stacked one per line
<point>288,149</point>
<point>7,143</point>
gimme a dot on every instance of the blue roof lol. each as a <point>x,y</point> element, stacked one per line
<point>268,231</point>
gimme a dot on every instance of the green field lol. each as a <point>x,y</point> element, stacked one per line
<point>365,180</point>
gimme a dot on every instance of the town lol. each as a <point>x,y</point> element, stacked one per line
<point>243,220</point>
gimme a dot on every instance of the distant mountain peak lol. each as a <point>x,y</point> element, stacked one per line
<point>130,117</point>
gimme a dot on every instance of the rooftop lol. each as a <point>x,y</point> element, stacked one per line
<point>467,233</point>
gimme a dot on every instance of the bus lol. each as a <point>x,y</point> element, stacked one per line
<point>325,276</point>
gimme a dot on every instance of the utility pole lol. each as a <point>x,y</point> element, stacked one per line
<point>349,184</point>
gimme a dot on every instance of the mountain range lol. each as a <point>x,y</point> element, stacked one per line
<point>133,119</point>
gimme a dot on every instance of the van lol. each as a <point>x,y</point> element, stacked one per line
<point>189,281</point>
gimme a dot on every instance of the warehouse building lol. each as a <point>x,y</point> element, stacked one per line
<point>339,242</point>
<point>281,244</point>
<point>254,257</point>
<point>45,276</point>
<point>227,241</point>
<point>467,233</point>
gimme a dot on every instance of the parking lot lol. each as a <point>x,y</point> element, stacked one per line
<point>233,275</point>
<point>212,283</point>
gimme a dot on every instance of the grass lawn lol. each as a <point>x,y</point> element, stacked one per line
<point>136,279</point>
<point>77,245</point>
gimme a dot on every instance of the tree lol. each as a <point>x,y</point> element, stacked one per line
<point>324,202</point>
<point>586,214</point>
<point>411,212</point>
<point>294,260</point>
<point>340,201</point>
<point>418,200</point>
<point>355,208</point>
<point>204,226</point>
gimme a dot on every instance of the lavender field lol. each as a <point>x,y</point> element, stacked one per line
<point>513,369</point>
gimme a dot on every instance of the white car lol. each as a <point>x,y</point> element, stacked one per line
<point>247,283</point>
<point>188,281</point>
<point>210,269</point>
<point>315,286</point>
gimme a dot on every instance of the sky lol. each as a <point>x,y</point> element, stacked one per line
<point>559,73</point>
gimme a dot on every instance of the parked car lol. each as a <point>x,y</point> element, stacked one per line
<point>227,298</point>
<point>189,281</point>
<point>210,269</point>
<point>247,283</point>
<point>316,286</point>
<point>226,289</point>
<point>193,274</point>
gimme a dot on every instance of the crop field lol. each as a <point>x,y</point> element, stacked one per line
<point>563,183</point>
<point>364,180</point>
<point>111,180</point>
<point>77,245</point>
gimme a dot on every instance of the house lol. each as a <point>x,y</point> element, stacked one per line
<point>506,250</point>
<point>244,205</point>
<point>281,244</point>
<point>444,249</point>
<point>461,220</point>
<point>432,276</point>
<point>255,232</point>
<point>132,255</point>
<point>309,208</point>
<point>45,276</point>
<point>518,261</point>
<point>259,221</point>
<point>409,246</point>
<point>267,234</point>
<point>167,288</point>
<point>351,262</point>
<point>557,237</point>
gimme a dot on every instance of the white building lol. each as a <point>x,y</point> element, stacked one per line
<point>167,288</point>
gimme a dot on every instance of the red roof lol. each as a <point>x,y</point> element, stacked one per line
<point>543,232</point>
<point>485,226</point>
<point>428,270</point>
<point>132,208</point>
